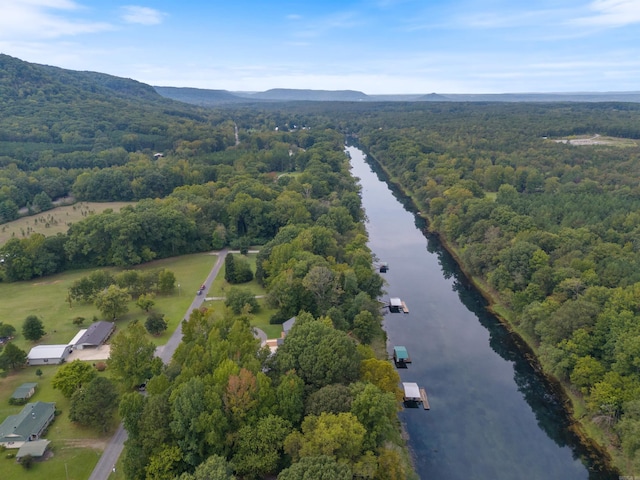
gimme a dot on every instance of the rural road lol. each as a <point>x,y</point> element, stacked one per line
<point>109,458</point>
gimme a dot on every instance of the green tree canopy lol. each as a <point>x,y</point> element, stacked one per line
<point>132,359</point>
<point>259,448</point>
<point>112,302</point>
<point>73,376</point>
<point>241,300</point>
<point>33,328</point>
<point>155,323</point>
<point>12,357</point>
<point>320,467</point>
<point>215,467</point>
<point>320,354</point>
<point>94,404</point>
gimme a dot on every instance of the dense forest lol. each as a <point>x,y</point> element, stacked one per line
<point>547,228</point>
<point>326,402</point>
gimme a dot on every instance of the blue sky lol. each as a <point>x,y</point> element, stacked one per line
<point>375,46</point>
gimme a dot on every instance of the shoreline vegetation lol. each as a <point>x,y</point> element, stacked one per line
<point>596,447</point>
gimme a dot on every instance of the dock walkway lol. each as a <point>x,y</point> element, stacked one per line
<point>425,400</point>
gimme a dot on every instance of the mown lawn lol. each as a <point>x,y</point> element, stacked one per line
<point>46,298</point>
<point>259,319</point>
<point>76,449</point>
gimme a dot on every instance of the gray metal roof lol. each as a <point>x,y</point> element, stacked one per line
<point>48,351</point>
<point>288,325</point>
<point>35,448</point>
<point>96,334</point>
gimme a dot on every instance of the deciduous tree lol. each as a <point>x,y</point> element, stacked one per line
<point>319,467</point>
<point>112,303</point>
<point>132,358</point>
<point>94,404</point>
<point>12,357</point>
<point>33,328</point>
<point>72,376</point>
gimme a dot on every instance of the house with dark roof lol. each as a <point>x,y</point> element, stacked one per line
<point>28,425</point>
<point>48,354</point>
<point>23,393</point>
<point>288,325</point>
<point>96,335</point>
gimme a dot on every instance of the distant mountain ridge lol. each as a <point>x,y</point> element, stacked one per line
<point>20,80</point>
<point>205,97</point>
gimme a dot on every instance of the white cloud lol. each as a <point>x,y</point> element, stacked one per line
<point>142,15</point>
<point>611,13</point>
<point>44,19</point>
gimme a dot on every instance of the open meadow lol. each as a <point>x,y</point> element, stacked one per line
<point>56,220</point>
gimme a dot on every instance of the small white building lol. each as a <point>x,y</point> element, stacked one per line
<point>48,354</point>
<point>78,336</point>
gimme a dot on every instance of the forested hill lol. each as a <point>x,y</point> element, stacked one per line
<point>70,110</point>
<point>59,125</point>
<point>21,80</point>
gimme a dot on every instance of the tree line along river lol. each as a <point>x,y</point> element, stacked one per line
<point>492,415</point>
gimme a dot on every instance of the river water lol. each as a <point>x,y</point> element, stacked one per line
<point>492,417</point>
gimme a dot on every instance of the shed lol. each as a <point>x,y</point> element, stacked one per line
<point>24,392</point>
<point>411,392</point>
<point>95,335</point>
<point>401,355</point>
<point>28,425</point>
<point>36,449</point>
<point>48,354</point>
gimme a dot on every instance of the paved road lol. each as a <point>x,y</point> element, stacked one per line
<point>114,448</point>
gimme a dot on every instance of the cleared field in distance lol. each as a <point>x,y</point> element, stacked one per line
<point>56,220</point>
<point>598,140</point>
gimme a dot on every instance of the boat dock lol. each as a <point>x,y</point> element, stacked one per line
<point>401,355</point>
<point>414,394</point>
<point>425,400</point>
<point>405,309</point>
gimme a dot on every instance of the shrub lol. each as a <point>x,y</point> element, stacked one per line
<point>27,462</point>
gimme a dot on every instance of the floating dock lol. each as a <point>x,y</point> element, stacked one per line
<point>405,309</point>
<point>425,400</point>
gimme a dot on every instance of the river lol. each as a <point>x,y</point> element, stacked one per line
<point>491,417</point>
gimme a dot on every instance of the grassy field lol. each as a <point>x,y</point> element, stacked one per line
<point>77,449</point>
<point>46,299</point>
<point>54,221</point>
<point>260,319</point>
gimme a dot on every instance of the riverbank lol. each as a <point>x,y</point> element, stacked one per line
<point>593,440</point>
